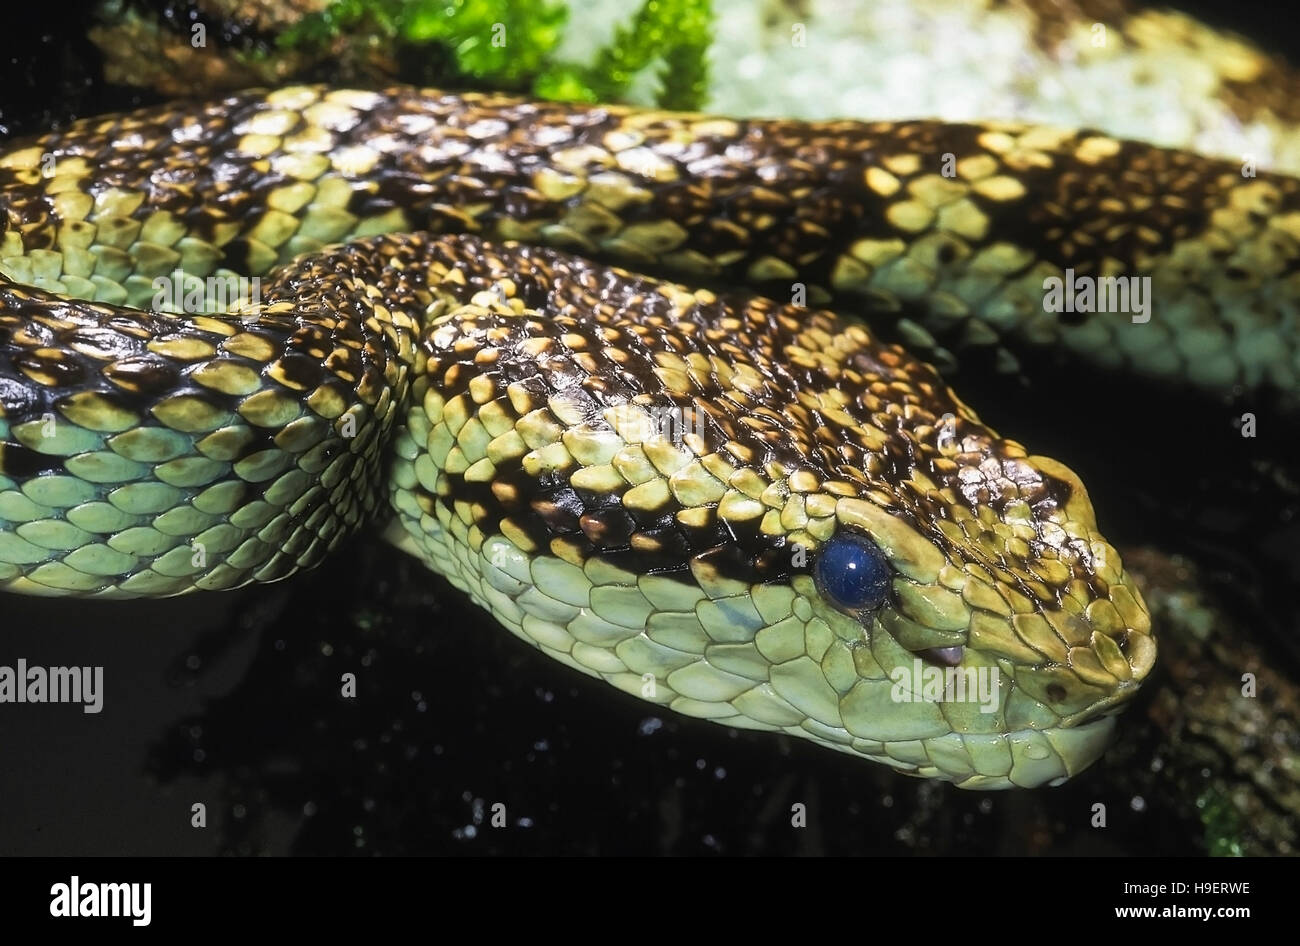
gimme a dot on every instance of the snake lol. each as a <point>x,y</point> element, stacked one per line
<point>598,366</point>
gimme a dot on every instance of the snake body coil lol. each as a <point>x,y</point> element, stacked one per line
<point>749,511</point>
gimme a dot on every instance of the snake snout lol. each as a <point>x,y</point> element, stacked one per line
<point>1038,593</point>
<point>1090,639</point>
<point>1114,661</point>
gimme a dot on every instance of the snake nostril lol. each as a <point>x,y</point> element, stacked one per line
<point>1056,693</point>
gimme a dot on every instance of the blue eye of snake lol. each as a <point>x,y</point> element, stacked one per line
<point>852,572</point>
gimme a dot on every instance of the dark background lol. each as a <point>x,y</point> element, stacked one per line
<point>233,700</point>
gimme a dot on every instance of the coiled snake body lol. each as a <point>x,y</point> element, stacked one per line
<point>748,510</point>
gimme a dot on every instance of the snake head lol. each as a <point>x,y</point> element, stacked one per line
<point>824,540</point>
<point>993,640</point>
<point>992,630</point>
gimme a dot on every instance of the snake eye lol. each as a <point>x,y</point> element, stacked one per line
<point>852,572</point>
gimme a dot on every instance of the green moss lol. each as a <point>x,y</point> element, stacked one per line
<point>489,39</point>
<point>675,31</point>
<point>686,76</point>
<point>316,30</point>
<point>1222,821</point>
<point>510,44</point>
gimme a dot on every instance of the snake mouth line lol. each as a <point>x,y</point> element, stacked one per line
<point>948,660</point>
<point>965,668</point>
<point>1109,707</point>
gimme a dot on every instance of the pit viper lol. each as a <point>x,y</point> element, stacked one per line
<point>234,333</point>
